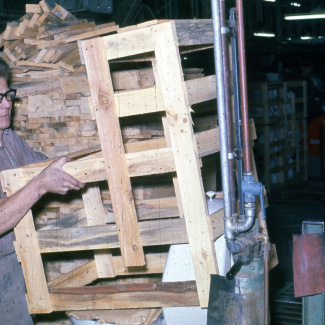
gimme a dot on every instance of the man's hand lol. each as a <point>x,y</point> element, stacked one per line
<point>52,179</point>
<point>55,180</point>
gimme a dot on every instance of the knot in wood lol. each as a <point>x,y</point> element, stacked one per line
<point>103,99</point>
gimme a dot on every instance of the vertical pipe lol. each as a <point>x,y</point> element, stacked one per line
<point>221,109</point>
<point>243,87</point>
<point>225,62</point>
<point>267,246</point>
<point>237,115</point>
<point>266,287</point>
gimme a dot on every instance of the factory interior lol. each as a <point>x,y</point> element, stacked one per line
<point>285,90</point>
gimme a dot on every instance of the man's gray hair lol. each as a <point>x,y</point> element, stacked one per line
<point>4,69</point>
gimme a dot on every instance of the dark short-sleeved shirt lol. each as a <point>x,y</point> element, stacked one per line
<point>14,153</point>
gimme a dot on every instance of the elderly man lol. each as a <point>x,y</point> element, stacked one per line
<point>15,152</point>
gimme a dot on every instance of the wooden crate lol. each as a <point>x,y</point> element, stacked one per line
<point>130,240</point>
<point>182,153</point>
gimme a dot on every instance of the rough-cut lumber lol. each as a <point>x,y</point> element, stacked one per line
<point>34,8</point>
<point>147,209</point>
<point>28,253</point>
<point>33,88</point>
<point>91,34</point>
<point>147,162</point>
<point>11,52</point>
<point>153,233</point>
<point>142,40</point>
<point>113,153</point>
<point>33,20</point>
<point>87,273</point>
<point>70,61</point>
<point>122,80</point>
<point>96,216</point>
<point>45,7</point>
<point>188,172</point>
<point>11,31</point>
<point>159,295</point>
<point>62,13</point>
<point>81,30</point>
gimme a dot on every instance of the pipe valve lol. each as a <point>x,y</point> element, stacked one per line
<point>251,189</point>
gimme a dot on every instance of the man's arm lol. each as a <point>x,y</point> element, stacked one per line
<point>52,179</point>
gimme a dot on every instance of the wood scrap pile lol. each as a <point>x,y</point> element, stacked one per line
<point>53,111</point>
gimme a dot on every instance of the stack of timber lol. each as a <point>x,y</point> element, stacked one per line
<point>141,196</point>
<point>53,112</point>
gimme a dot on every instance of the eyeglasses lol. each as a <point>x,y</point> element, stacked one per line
<point>10,95</point>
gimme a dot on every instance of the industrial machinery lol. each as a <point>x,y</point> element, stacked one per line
<point>236,298</point>
<point>239,294</point>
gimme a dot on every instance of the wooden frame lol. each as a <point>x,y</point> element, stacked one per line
<point>181,154</point>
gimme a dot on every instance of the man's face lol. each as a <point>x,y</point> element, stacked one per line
<point>5,107</point>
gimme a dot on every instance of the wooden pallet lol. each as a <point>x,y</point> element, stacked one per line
<point>182,154</point>
<point>124,241</point>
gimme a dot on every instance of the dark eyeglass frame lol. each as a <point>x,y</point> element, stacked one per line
<point>6,95</point>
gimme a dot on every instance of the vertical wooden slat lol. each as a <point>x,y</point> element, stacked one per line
<point>95,214</point>
<point>28,252</point>
<point>168,142</point>
<point>113,151</point>
<point>187,165</point>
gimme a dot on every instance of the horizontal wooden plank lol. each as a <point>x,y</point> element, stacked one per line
<point>136,102</point>
<point>150,100</point>
<point>127,44</point>
<point>201,89</point>
<point>130,287</point>
<point>91,34</point>
<point>207,142</point>
<point>164,295</point>
<point>54,31</point>
<point>92,170</point>
<point>141,40</point>
<point>153,232</point>
<point>149,162</point>
<point>156,232</point>
<point>194,32</point>
<point>87,273</point>
<point>148,209</point>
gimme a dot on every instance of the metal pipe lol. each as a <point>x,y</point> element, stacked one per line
<point>244,225</point>
<point>266,289</point>
<point>225,62</point>
<point>221,115</point>
<point>243,86</point>
<point>250,218</point>
<point>267,245</point>
<point>237,115</point>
